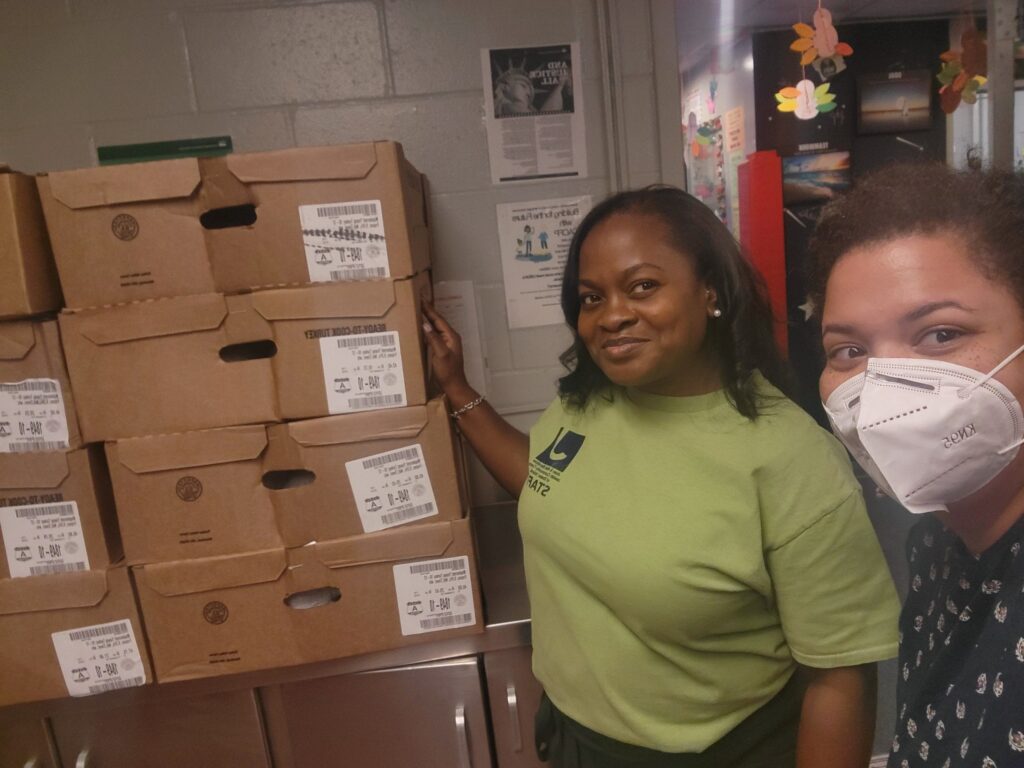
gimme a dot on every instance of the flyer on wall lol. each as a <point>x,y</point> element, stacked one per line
<point>533,111</point>
<point>534,239</point>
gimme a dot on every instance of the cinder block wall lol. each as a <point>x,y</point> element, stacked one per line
<point>77,74</point>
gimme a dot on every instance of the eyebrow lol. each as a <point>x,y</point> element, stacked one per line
<point>923,311</point>
<point>626,273</point>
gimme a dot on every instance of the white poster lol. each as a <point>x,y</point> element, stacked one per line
<point>533,100</point>
<point>456,301</point>
<point>534,239</point>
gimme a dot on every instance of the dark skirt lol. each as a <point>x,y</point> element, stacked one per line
<point>766,739</point>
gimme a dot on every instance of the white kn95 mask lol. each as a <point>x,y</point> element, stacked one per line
<point>927,431</point>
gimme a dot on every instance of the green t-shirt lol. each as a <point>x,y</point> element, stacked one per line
<point>680,560</point>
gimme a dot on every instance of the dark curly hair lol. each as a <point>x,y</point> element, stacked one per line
<point>741,340</point>
<point>985,209</point>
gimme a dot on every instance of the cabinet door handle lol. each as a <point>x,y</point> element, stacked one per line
<point>462,736</point>
<point>513,713</point>
<point>82,761</point>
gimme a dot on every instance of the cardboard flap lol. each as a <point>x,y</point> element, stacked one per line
<point>129,183</point>
<point>412,543</point>
<point>350,161</point>
<point>186,577</point>
<point>16,340</point>
<point>149,319</point>
<point>370,298</point>
<point>52,592</point>
<point>192,449</point>
<point>33,470</point>
<point>394,423</point>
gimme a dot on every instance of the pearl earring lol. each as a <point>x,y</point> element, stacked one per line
<point>716,313</point>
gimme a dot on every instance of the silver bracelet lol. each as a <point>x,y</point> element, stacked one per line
<point>460,412</point>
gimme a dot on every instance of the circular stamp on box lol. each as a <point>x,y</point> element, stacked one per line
<point>125,226</point>
<point>215,612</point>
<point>189,488</point>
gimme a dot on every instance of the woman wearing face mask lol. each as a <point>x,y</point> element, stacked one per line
<point>923,328</point>
<point>690,536</point>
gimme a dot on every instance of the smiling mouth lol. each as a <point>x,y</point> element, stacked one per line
<point>622,346</point>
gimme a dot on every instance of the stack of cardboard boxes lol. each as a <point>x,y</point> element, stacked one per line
<point>243,334</point>
<point>68,619</point>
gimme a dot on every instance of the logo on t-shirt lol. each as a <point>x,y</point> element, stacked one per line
<point>562,451</point>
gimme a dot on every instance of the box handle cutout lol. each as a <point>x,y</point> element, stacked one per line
<point>249,350</point>
<point>283,479</point>
<point>229,216</point>
<point>313,598</point>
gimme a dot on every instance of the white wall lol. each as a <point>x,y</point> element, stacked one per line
<point>77,74</point>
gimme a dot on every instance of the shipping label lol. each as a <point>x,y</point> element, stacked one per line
<point>363,372</point>
<point>434,595</point>
<point>103,657</point>
<point>32,416</point>
<point>391,488</point>
<point>344,241</point>
<point>43,538</point>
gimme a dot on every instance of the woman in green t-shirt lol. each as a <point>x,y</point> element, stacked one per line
<point>691,538</point>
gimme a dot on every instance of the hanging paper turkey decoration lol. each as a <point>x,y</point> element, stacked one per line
<point>806,101</point>
<point>963,71</point>
<point>820,41</point>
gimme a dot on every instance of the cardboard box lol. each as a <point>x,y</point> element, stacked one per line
<point>37,410</point>
<point>127,232</point>
<point>56,513</point>
<point>69,633</point>
<point>188,226</point>
<point>344,347</point>
<point>282,607</point>
<point>28,278</point>
<point>171,365</point>
<point>207,361</point>
<point>344,475</point>
<point>315,214</point>
<point>192,494</point>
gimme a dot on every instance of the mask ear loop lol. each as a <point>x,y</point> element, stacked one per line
<point>966,391</point>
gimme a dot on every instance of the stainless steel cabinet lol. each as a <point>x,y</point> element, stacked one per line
<point>514,695</point>
<point>23,740</point>
<point>428,715</point>
<point>210,731</point>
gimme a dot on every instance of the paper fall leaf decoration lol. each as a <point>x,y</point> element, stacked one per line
<point>963,72</point>
<point>820,41</point>
<point>806,101</point>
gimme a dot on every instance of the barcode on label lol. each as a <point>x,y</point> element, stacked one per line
<point>38,570</point>
<point>375,401</point>
<point>421,510</point>
<point>372,340</point>
<point>365,209</point>
<point>30,386</point>
<point>458,564</point>
<point>48,510</point>
<point>114,685</point>
<point>108,629</point>
<point>447,621</point>
<point>358,274</point>
<point>37,445</point>
<point>406,454</point>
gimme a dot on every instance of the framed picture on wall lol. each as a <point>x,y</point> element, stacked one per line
<point>894,102</point>
<point>814,179</point>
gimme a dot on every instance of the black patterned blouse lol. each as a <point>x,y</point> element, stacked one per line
<point>960,697</point>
